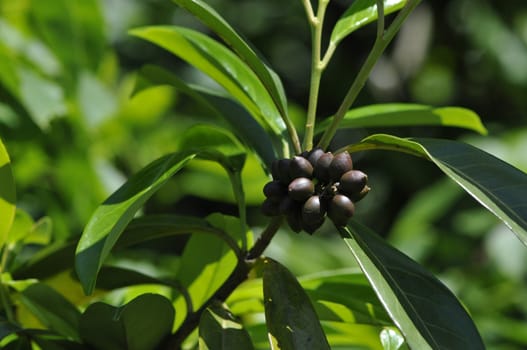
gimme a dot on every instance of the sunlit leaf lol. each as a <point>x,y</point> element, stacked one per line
<point>207,262</point>
<point>391,339</point>
<point>427,313</point>
<point>139,325</point>
<point>220,64</point>
<point>291,320</point>
<point>498,186</point>
<point>111,218</point>
<point>359,14</point>
<point>215,22</point>
<point>7,195</point>
<point>403,114</point>
<point>52,309</point>
<point>220,329</point>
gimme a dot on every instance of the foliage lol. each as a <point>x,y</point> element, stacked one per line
<point>150,270</point>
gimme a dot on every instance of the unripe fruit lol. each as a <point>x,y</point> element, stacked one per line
<point>275,189</point>
<point>300,167</point>
<point>270,207</point>
<point>313,210</point>
<point>341,209</point>
<point>352,182</point>
<point>283,170</point>
<point>321,170</point>
<point>340,164</point>
<point>301,189</point>
<point>314,155</point>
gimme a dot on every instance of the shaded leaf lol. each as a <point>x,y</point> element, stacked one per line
<point>215,22</point>
<point>359,14</point>
<point>220,64</point>
<point>290,317</point>
<point>7,195</point>
<point>405,114</point>
<point>111,218</point>
<point>52,309</point>
<point>237,119</point>
<point>220,329</point>
<point>498,186</point>
<point>139,325</point>
<point>427,313</point>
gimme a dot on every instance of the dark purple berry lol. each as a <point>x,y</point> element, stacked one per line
<point>270,207</point>
<point>283,170</point>
<point>275,189</point>
<point>352,182</point>
<point>294,219</point>
<point>274,169</point>
<point>358,196</point>
<point>314,155</point>
<point>321,170</point>
<point>341,209</point>
<point>301,189</point>
<point>300,167</point>
<point>340,164</point>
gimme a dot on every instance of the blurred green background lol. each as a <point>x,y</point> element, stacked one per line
<point>75,131</point>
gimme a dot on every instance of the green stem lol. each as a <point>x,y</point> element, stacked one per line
<point>381,42</point>
<point>317,67</point>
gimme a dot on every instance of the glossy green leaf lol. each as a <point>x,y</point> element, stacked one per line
<point>207,262</point>
<point>498,186</point>
<point>220,329</point>
<point>220,64</point>
<point>216,23</point>
<point>427,313</point>
<point>111,218</point>
<point>359,14</point>
<point>7,195</point>
<point>47,262</point>
<point>139,325</point>
<point>290,317</point>
<point>237,119</point>
<point>113,277</point>
<point>52,309</point>
<point>405,114</point>
<point>391,339</point>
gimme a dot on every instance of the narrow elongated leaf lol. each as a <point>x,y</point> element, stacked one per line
<point>52,309</point>
<point>215,22</point>
<point>111,218</point>
<point>290,317</point>
<point>498,186</point>
<point>427,313</point>
<point>7,195</point>
<point>237,119</point>
<point>139,325</point>
<point>222,65</point>
<point>359,14</point>
<point>406,114</point>
<point>220,329</point>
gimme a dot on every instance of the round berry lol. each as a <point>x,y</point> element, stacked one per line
<point>352,182</point>
<point>300,167</point>
<point>341,209</point>
<point>301,189</point>
<point>340,164</point>
<point>321,170</point>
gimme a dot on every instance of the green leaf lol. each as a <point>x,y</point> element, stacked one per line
<point>359,14</point>
<point>111,218</point>
<point>242,124</point>
<point>7,195</point>
<point>47,262</point>
<point>391,339</point>
<point>406,114</point>
<point>290,317</point>
<point>139,325</point>
<point>222,65</point>
<point>52,309</point>
<point>427,313</point>
<point>216,23</point>
<point>498,186</point>
<point>206,264</point>
<point>220,329</point>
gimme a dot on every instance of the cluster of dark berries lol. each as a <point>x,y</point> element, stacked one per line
<point>312,185</point>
